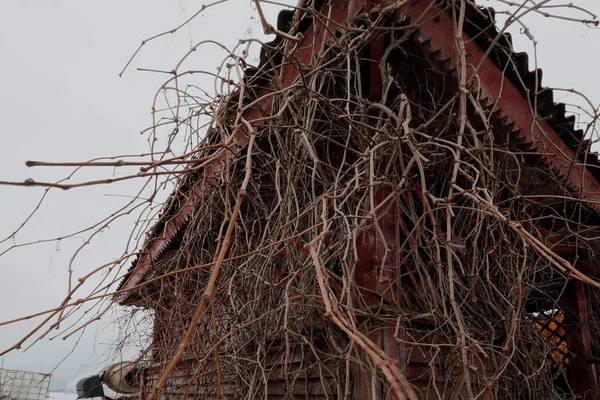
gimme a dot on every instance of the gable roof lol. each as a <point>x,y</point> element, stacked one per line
<point>507,88</point>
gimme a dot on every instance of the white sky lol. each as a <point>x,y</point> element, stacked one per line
<point>61,100</point>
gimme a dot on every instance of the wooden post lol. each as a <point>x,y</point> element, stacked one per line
<point>583,375</point>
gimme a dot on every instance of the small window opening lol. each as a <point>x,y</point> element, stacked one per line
<point>550,325</point>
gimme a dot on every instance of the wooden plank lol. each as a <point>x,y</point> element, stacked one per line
<point>583,375</point>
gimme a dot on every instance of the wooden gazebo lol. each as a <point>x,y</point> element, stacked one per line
<point>433,66</point>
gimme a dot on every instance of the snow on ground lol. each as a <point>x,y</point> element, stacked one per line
<point>61,396</point>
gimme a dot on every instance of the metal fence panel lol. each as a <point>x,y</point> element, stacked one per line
<point>24,385</point>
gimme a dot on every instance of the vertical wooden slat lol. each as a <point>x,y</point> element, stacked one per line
<point>583,376</point>
<point>376,270</point>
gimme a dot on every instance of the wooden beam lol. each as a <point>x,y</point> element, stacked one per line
<point>583,374</point>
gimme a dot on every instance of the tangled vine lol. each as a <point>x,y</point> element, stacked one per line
<point>376,225</point>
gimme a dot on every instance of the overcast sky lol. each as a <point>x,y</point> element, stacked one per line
<point>61,100</point>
